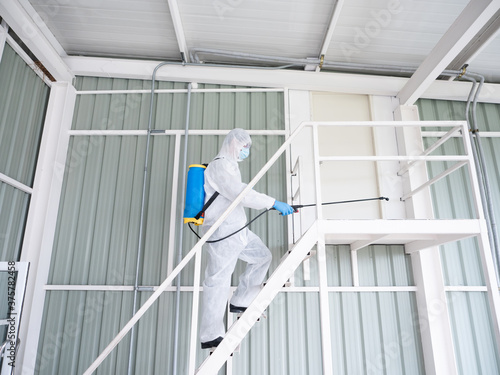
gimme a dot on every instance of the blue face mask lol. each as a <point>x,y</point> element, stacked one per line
<point>244,153</point>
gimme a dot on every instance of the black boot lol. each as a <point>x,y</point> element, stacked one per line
<point>236,309</point>
<point>211,344</point>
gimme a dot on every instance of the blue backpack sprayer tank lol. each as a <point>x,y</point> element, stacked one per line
<point>194,209</point>
<point>195,205</point>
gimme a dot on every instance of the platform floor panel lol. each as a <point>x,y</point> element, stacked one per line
<point>414,234</point>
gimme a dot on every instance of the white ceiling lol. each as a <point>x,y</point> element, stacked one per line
<point>389,33</point>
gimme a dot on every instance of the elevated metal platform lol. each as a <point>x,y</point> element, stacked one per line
<point>415,235</point>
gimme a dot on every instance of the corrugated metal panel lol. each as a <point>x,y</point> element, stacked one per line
<point>23,101</point>
<point>368,32</point>
<point>96,243</point>
<point>475,344</point>
<point>469,311</point>
<point>375,333</point>
<point>484,62</point>
<point>292,28</point>
<point>111,28</point>
<point>452,195</point>
<point>379,32</point>
<point>384,265</point>
<point>97,231</point>
<point>13,211</point>
<point>4,308</point>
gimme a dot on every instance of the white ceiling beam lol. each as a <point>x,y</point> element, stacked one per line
<point>331,27</point>
<point>38,18</point>
<point>478,43</point>
<point>31,34</point>
<point>472,19</point>
<point>3,37</point>
<point>179,29</point>
<point>293,79</point>
<point>299,80</point>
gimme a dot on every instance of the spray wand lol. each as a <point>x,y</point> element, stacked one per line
<point>295,208</point>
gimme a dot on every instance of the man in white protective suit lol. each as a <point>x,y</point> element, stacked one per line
<point>223,175</point>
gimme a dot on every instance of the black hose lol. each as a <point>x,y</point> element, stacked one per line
<point>295,208</point>
<point>232,234</point>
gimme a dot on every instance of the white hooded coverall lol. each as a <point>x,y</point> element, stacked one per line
<point>223,175</point>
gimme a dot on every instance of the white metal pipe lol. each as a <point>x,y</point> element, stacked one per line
<point>181,232</point>
<point>395,158</point>
<point>430,149</point>
<point>194,315</point>
<point>317,174</point>
<point>436,134</point>
<point>177,91</point>
<point>388,124</point>
<point>167,132</point>
<point>434,180</point>
<point>14,183</point>
<point>190,289</point>
<point>249,56</point>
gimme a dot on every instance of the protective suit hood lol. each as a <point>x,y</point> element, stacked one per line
<point>233,143</point>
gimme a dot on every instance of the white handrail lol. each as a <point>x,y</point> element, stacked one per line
<point>190,255</point>
<point>197,248</point>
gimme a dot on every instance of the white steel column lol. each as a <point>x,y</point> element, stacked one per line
<point>42,216</point>
<point>324,302</point>
<point>435,327</point>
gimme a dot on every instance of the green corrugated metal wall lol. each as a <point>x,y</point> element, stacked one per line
<point>96,243</point>
<point>475,346</point>
<point>98,227</point>
<point>23,102</point>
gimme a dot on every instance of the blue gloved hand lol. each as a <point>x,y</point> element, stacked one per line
<point>284,208</point>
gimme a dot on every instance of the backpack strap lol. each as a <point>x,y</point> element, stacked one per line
<point>209,202</point>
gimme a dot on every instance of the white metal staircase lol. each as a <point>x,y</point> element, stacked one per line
<point>416,235</point>
<point>273,285</point>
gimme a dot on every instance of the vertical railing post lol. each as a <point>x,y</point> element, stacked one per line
<point>194,314</point>
<point>317,176</point>
<point>324,301</point>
